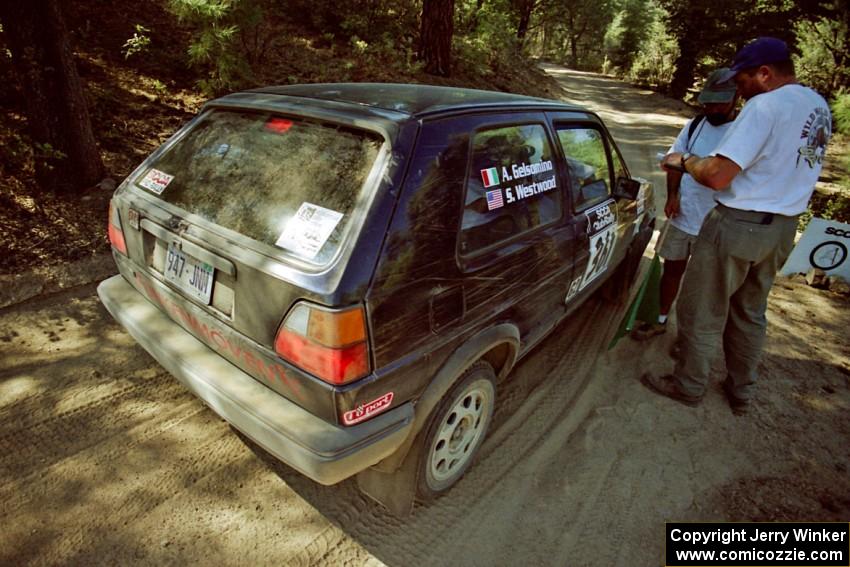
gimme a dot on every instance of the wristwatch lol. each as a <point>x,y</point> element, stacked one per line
<point>685,157</point>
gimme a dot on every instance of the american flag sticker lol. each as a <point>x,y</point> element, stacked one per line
<point>494,199</point>
<point>490,177</point>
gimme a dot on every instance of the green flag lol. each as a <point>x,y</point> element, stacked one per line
<point>646,305</point>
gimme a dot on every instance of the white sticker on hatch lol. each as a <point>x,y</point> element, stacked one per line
<point>156,181</point>
<point>308,230</point>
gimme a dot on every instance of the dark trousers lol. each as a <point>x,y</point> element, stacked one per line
<point>723,298</point>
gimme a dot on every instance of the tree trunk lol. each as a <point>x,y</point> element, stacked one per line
<point>683,77</point>
<point>573,51</point>
<point>65,151</point>
<point>524,21</point>
<point>435,36</point>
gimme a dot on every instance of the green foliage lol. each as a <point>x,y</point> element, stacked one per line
<point>626,33</point>
<point>575,26</point>
<point>841,113</point>
<point>46,154</point>
<point>226,34</point>
<point>17,151</point>
<point>835,207</point>
<point>359,45</point>
<point>655,61</point>
<point>823,61</point>
<point>490,39</point>
<point>368,20</point>
<point>138,43</point>
<point>709,32</point>
<point>159,87</point>
<point>612,41</point>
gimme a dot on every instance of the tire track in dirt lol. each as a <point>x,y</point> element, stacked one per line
<point>133,489</point>
<point>552,415</point>
<point>18,492</point>
<point>444,525</point>
<point>39,442</point>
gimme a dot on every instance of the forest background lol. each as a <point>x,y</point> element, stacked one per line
<point>89,88</point>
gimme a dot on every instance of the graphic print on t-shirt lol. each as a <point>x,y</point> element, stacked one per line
<point>816,134</point>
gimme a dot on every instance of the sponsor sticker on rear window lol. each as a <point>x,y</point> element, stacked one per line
<point>156,181</point>
<point>308,230</point>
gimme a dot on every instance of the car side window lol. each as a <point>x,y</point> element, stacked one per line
<point>617,160</point>
<point>511,186</point>
<point>587,160</point>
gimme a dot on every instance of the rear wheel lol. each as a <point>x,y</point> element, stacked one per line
<point>456,430</point>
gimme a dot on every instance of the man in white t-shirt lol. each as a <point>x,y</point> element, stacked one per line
<point>770,159</point>
<point>688,202</point>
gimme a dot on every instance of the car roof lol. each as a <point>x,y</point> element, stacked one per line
<point>413,100</point>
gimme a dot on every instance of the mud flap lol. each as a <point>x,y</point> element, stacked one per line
<point>395,491</point>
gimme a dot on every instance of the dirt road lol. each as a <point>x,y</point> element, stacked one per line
<point>107,460</point>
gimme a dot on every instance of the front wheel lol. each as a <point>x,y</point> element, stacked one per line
<point>457,430</point>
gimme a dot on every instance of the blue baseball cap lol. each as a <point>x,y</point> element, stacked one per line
<point>758,52</point>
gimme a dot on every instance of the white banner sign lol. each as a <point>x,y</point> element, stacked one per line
<point>824,245</point>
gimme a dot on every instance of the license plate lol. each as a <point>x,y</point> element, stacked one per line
<point>189,275</point>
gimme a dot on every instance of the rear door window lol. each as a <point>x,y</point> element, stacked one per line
<point>511,186</point>
<point>285,182</point>
<point>587,160</point>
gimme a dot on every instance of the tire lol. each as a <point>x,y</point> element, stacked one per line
<point>456,431</point>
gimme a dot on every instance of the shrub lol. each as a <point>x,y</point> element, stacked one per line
<point>823,60</point>
<point>841,112</point>
<point>490,42</point>
<point>225,32</point>
<point>138,43</point>
<point>656,60</point>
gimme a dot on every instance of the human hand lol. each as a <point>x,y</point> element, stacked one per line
<point>671,208</point>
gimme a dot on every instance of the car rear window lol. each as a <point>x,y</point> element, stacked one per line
<point>283,181</point>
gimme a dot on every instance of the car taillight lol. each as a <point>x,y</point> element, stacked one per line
<point>331,345</point>
<point>116,235</point>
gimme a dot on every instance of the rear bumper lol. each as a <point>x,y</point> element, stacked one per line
<point>322,451</point>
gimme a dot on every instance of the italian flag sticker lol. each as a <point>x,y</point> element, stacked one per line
<point>490,177</point>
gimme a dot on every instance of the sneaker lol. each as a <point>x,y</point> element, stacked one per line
<point>645,331</point>
<point>668,386</point>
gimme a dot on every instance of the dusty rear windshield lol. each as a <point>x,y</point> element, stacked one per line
<point>283,181</point>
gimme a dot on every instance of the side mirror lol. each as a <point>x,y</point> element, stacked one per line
<point>627,188</point>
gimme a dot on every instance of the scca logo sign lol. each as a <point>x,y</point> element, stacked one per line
<point>837,232</point>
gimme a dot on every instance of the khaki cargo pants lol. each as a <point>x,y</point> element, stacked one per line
<point>723,297</point>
